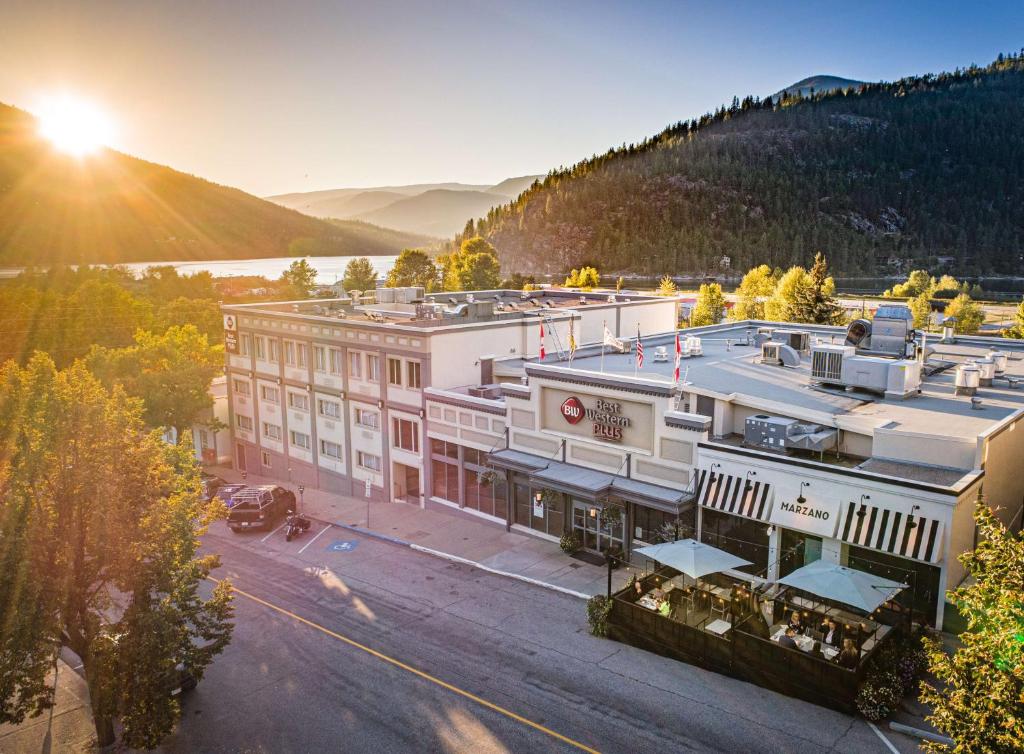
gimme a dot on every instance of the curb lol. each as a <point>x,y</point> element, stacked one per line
<point>457,559</point>
<point>925,735</point>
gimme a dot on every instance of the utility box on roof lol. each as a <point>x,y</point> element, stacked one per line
<point>768,432</point>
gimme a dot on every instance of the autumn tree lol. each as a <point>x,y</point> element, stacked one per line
<point>754,290</point>
<point>99,525</point>
<point>667,287</point>
<point>585,278</point>
<point>780,306</point>
<point>359,275</point>
<point>977,700</point>
<point>171,373</point>
<point>473,267</point>
<point>413,268</point>
<point>969,314</point>
<point>921,309</point>
<point>1017,329</point>
<point>815,302</point>
<point>710,306</point>
<point>918,282</point>
<point>300,279</point>
<point>203,313</point>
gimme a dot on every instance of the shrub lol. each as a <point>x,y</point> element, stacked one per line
<point>598,609</point>
<point>879,695</point>
<point>570,543</point>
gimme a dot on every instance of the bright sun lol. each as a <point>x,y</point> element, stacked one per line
<point>73,125</point>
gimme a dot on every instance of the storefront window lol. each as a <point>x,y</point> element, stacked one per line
<point>648,524</point>
<point>745,538</point>
<point>798,550</point>
<point>921,578</point>
<point>551,518</point>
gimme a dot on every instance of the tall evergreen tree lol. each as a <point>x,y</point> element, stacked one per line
<point>815,303</point>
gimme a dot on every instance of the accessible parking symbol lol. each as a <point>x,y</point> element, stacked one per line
<point>342,545</point>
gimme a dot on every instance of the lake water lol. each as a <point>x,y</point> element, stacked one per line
<point>328,269</point>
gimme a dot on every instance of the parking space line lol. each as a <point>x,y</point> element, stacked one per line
<point>274,532</point>
<point>414,671</point>
<point>314,539</point>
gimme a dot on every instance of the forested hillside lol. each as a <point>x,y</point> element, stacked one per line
<point>111,208</point>
<point>876,177</point>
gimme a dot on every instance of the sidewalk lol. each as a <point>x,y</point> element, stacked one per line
<point>453,534</point>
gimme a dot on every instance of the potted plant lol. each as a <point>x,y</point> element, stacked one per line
<point>570,543</point>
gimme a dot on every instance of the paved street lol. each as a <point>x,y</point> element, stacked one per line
<point>286,685</point>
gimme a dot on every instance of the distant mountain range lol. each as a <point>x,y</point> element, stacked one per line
<point>110,208</point>
<point>817,85</point>
<point>927,171</point>
<point>432,209</point>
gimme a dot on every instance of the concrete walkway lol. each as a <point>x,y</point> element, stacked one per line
<point>456,535</point>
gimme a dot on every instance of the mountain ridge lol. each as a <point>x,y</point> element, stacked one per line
<point>821,83</point>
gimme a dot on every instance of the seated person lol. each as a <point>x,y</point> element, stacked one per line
<point>795,623</point>
<point>816,651</point>
<point>849,658</point>
<point>831,635</point>
<point>638,587</point>
<point>664,608</point>
<point>787,640</point>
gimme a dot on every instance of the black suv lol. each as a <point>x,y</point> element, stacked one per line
<point>259,507</point>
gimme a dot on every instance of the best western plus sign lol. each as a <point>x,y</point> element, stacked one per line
<point>572,410</point>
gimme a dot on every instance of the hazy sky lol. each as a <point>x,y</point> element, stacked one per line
<point>297,96</point>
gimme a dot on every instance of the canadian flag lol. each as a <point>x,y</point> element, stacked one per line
<point>679,356</point>
<point>542,341</point>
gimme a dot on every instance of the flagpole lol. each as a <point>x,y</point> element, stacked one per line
<point>604,329</point>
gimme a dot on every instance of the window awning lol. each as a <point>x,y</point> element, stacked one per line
<point>898,533</point>
<point>732,494</point>
<point>515,460</point>
<point>574,480</point>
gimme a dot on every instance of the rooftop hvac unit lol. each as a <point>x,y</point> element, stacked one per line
<point>798,340</point>
<point>1000,358</point>
<point>485,391</point>
<point>967,379</point>
<point>827,362</point>
<point>386,296</point>
<point>779,354</point>
<point>767,432</point>
<point>987,368</point>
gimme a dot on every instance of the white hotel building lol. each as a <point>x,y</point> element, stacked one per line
<point>871,455</point>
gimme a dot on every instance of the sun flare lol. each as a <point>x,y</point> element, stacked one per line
<point>73,125</point>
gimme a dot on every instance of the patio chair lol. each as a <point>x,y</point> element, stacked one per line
<point>719,607</point>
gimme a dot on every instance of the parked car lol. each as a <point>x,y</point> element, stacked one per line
<point>227,493</point>
<point>259,507</point>
<point>211,484</point>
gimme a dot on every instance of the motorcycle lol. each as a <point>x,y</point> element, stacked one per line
<point>295,525</point>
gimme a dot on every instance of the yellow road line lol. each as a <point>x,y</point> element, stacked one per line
<point>425,676</point>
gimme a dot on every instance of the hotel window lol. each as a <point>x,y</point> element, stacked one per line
<point>240,386</point>
<point>330,409</point>
<point>334,355</point>
<point>368,461</point>
<point>298,401</point>
<point>483,490</point>
<point>244,344</point>
<point>271,431</point>
<point>367,418</point>
<point>355,365</point>
<point>244,422</point>
<point>300,440</point>
<point>274,351</point>
<point>405,435</point>
<point>294,353</point>
<point>265,458</point>
<point>395,372</point>
<point>330,449</point>
<point>269,394</point>
<point>413,373</point>
<point>261,347</point>
<point>372,367</point>
<point>320,358</point>
<point>444,470</point>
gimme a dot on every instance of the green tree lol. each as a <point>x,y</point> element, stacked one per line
<point>977,700</point>
<point>969,315</point>
<point>473,267</point>
<point>413,268</point>
<point>667,287</point>
<point>171,373</point>
<point>99,535</point>
<point>203,313</point>
<point>754,290</point>
<point>1017,329</point>
<point>517,281</point>
<point>918,282</point>
<point>619,282</point>
<point>791,286</point>
<point>300,277</point>
<point>585,278</point>
<point>815,303</point>
<point>359,276</point>
<point>921,308</point>
<point>710,306</point>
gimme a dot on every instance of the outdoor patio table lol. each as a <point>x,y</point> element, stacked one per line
<point>649,602</point>
<point>719,627</point>
<point>806,643</point>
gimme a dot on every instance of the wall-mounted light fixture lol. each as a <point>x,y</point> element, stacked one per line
<point>863,509</point>
<point>713,477</point>
<point>748,486</point>
<point>771,529</point>
<point>911,523</point>
<point>380,404</point>
<point>800,498</point>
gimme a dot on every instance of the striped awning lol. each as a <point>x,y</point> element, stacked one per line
<point>732,494</point>
<point>898,533</point>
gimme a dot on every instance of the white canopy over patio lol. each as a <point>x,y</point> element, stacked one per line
<point>691,557</point>
<point>836,582</point>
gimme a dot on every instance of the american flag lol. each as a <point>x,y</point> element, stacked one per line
<point>542,341</point>
<point>639,350</point>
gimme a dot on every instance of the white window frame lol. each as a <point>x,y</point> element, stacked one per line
<point>273,350</point>
<point>355,365</point>
<point>394,370</point>
<point>303,399</point>
<point>300,440</point>
<point>365,413</point>
<point>322,402</point>
<point>369,461</point>
<point>334,360</point>
<point>372,367</point>
<point>244,344</point>
<point>265,460</point>
<point>260,342</point>
<point>245,390</point>
<point>327,445</point>
<point>270,394</point>
<point>274,435</point>
<point>320,359</point>
<point>396,434</point>
<point>413,368</point>
<point>243,422</point>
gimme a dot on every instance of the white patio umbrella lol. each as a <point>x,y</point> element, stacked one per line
<point>841,584</point>
<point>691,557</point>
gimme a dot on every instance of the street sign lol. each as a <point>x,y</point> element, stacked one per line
<point>342,545</point>
<point>368,485</point>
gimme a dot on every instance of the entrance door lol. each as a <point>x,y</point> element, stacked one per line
<point>406,483</point>
<point>240,453</point>
<point>596,531</point>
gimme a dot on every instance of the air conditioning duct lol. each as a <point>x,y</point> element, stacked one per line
<point>968,377</point>
<point>999,358</point>
<point>987,369</point>
<point>798,340</point>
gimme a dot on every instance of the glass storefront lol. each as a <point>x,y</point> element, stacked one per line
<point>797,550</point>
<point>547,517</point>
<point>921,578</point>
<point>483,489</point>
<point>598,527</point>
<point>746,538</point>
